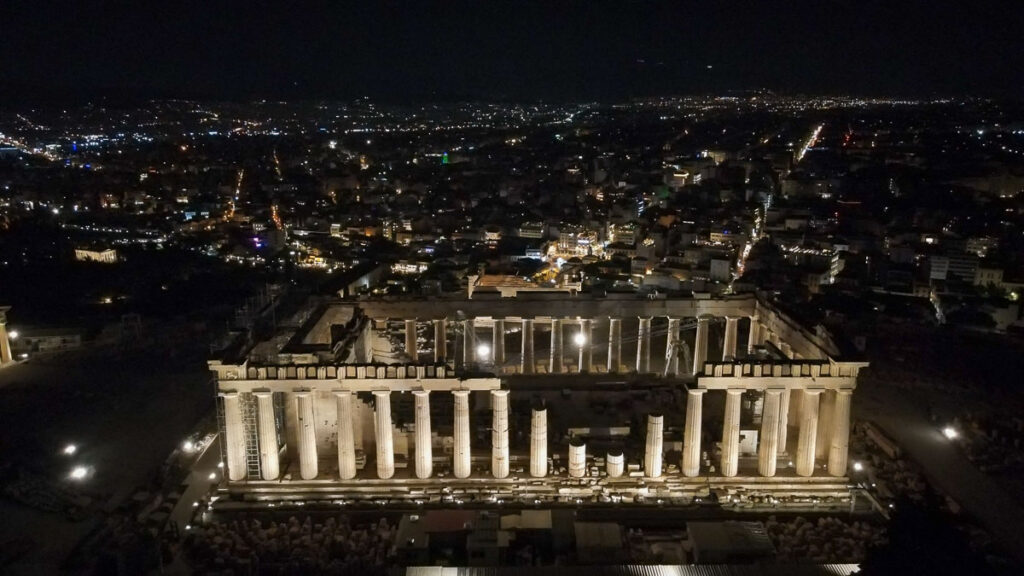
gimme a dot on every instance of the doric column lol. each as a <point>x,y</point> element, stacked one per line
<point>754,335</point>
<point>731,433</point>
<point>5,341</point>
<point>308,462</point>
<point>267,429</point>
<point>424,449</point>
<point>234,436</point>
<point>440,340</point>
<point>729,343</point>
<point>499,433</point>
<point>539,441</point>
<point>808,433</point>
<point>346,436</point>
<point>784,401</point>
<point>768,452</point>
<point>586,346</point>
<point>411,349</point>
<point>614,344</point>
<point>527,360</point>
<point>462,464</point>
<point>615,463</point>
<point>382,431</point>
<point>577,458</point>
<point>654,447</point>
<point>643,346</point>
<point>691,435</point>
<point>498,342</point>
<point>672,347</point>
<point>823,441</point>
<point>468,342</point>
<point>839,452</point>
<point>555,366</point>
<point>700,344</point>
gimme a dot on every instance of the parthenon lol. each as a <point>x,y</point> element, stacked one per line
<point>400,397</point>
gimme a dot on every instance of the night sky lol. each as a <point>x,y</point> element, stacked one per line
<point>405,51</point>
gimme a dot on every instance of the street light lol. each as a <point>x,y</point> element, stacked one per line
<point>950,433</point>
<point>12,335</point>
<point>579,339</point>
<point>483,351</point>
<point>79,473</point>
<point>857,467</point>
<point>70,450</point>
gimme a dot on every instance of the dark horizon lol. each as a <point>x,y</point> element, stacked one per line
<point>71,53</point>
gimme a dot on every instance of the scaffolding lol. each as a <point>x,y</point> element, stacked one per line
<point>250,428</point>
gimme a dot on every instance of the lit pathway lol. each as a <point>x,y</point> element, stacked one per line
<point>902,415</point>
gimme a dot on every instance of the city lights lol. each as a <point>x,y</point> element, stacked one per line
<point>70,450</point>
<point>483,351</point>
<point>579,339</point>
<point>79,473</point>
<point>950,433</point>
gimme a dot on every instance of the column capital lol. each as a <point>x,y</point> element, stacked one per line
<point>460,393</point>
<point>774,391</point>
<point>499,392</point>
<point>262,393</point>
<point>342,392</point>
<point>813,390</point>
<point>735,391</point>
<point>382,393</point>
<point>228,394</point>
<point>421,393</point>
<point>302,393</point>
<point>705,317</point>
<point>696,390</point>
<point>844,391</point>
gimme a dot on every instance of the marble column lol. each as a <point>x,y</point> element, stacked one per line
<point>234,436</point>
<point>308,461</point>
<point>411,349</point>
<point>700,344</point>
<point>440,340</point>
<point>840,449</point>
<point>5,343</point>
<point>383,434</point>
<point>615,463</point>
<point>754,335</point>
<point>539,441</point>
<point>672,348</point>
<point>577,458</point>
<point>586,346</point>
<point>424,448</point>
<point>643,346</point>
<point>346,436</point>
<point>267,427</point>
<point>461,466</point>
<point>808,433</point>
<point>528,364</point>
<point>499,433</point>
<point>555,366</point>
<point>468,342</point>
<point>655,445</point>
<point>498,343</point>
<point>768,451</point>
<point>614,344</point>
<point>823,441</point>
<point>692,432</point>
<point>729,343</point>
<point>731,433</point>
<point>784,402</point>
